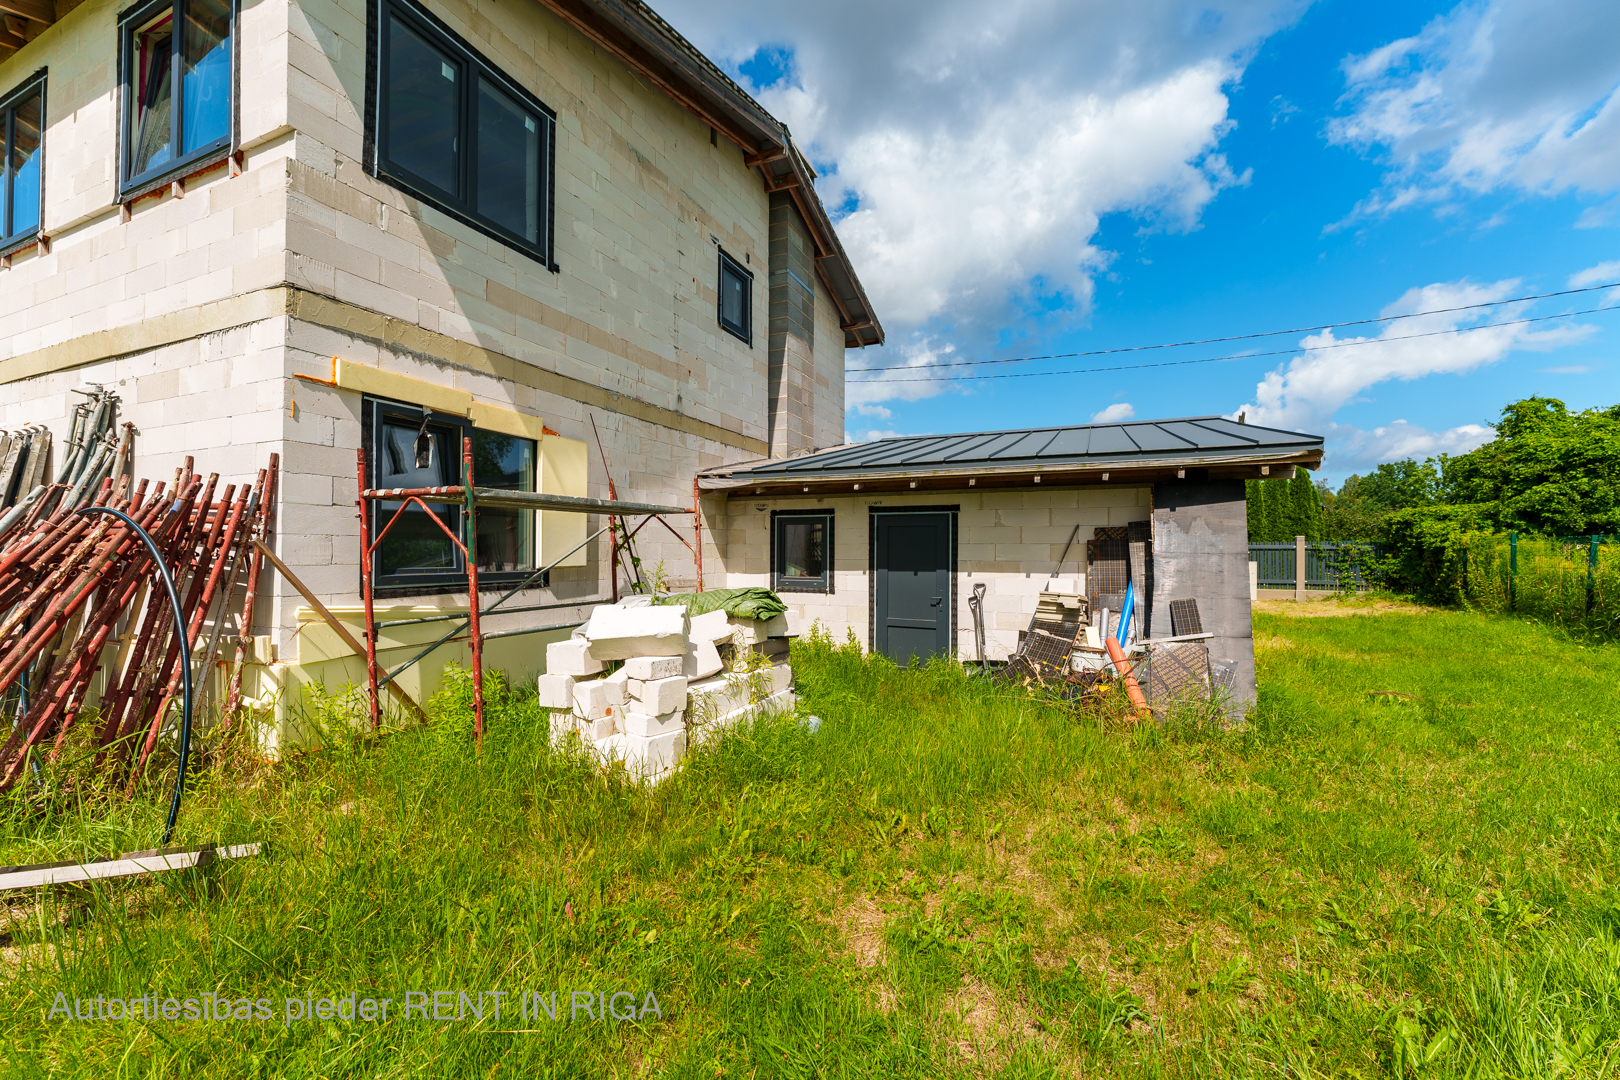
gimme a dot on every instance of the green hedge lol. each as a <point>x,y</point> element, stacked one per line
<point>1450,555</point>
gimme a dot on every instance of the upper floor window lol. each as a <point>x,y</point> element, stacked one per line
<point>408,447</point>
<point>22,119</point>
<point>736,298</point>
<point>454,131</point>
<point>176,56</point>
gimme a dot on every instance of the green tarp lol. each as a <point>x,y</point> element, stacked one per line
<point>752,603</point>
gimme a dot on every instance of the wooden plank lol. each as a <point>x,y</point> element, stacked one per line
<point>129,865</point>
<point>36,10</point>
<point>337,627</point>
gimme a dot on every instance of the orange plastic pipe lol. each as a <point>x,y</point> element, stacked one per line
<point>1117,655</point>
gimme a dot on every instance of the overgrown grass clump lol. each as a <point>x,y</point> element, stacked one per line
<point>949,877</point>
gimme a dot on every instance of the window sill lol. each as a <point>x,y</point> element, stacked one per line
<point>783,587</point>
<point>487,583</point>
<point>182,171</point>
<point>22,243</point>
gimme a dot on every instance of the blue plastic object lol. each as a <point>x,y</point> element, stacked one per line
<point>1125,614</point>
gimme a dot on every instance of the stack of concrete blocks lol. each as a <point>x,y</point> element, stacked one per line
<point>673,678</point>
<point>756,677</point>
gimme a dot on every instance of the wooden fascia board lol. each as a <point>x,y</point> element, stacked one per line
<point>34,10</point>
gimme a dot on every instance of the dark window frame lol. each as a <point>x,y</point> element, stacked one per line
<point>823,584</point>
<point>204,157</point>
<point>475,65</point>
<point>10,241</point>
<point>745,332</point>
<point>373,410</point>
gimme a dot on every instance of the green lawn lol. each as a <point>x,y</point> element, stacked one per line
<point>948,879</point>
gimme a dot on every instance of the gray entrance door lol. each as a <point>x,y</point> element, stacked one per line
<point>911,560</point>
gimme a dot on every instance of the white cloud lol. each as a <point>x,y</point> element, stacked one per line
<point>974,152</point>
<point>1113,414</point>
<point>1601,274</point>
<point>1356,450</point>
<point>1509,93</point>
<point>1307,391</point>
<point>875,410</point>
<point>864,387</point>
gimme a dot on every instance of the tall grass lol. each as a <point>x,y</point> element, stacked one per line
<point>950,877</point>
<point>1556,581</point>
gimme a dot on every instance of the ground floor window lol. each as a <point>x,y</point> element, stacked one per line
<point>412,447</point>
<point>801,550</point>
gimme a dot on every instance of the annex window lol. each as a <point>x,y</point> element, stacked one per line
<point>801,551</point>
<point>451,129</point>
<point>21,131</point>
<point>176,57</point>
<point>409,447</point>
<point>736,299</point>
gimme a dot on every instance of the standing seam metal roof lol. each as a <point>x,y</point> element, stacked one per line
<point>1201,437</point>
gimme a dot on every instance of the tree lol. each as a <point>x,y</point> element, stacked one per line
<point>1547,470</point>
<point>1364,501</point>
<point>1304,513</point>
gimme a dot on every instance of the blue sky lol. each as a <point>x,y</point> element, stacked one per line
<point>1079,176</point>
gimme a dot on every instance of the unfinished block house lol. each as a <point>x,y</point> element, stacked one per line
<point>312,227</point>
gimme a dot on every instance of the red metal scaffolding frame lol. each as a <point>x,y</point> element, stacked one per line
<point>470,497</point>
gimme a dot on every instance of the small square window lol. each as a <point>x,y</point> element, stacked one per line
<point>802,551</point>
<point>736,299</point>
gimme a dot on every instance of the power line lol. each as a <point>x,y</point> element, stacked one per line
<point>1234,356</point>
<point>1265,334</point>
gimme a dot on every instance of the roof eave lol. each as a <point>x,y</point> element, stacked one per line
<point>656,51</point>
<point>1115,470</point>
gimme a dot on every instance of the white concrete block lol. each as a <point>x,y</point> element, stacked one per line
<point>784,625</point>
<point>591,699</point>
<point>556,691</point>
<point>653,754</point>
<point>601,728</point>
<point>659,695</point>
<point>617,633</point>
<point>747,631</point>
<point>713,698</point>
<point>616,686</point>
<point>644,757</point>
<point>647,668</point>
<point>571,657</point>
<point>712,626</point>
<point>646,725</point>
<point>702,659</point>
<point>562,726</point>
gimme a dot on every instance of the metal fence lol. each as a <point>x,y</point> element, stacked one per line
<point>1328,564</point>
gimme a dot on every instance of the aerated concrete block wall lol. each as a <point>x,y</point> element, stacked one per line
<point>1009,540</point>
<point>200,310</point>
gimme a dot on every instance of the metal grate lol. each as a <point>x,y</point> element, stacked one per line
<point>1044,655</point>
<point>1177,672</point>
<point>1140,541</point>
<point>1184,618</point>
<point>1109,554</point>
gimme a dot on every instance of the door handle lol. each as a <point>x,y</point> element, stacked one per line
<point>937,599</point>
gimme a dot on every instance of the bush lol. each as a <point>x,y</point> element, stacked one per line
<point>1426,550</point>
